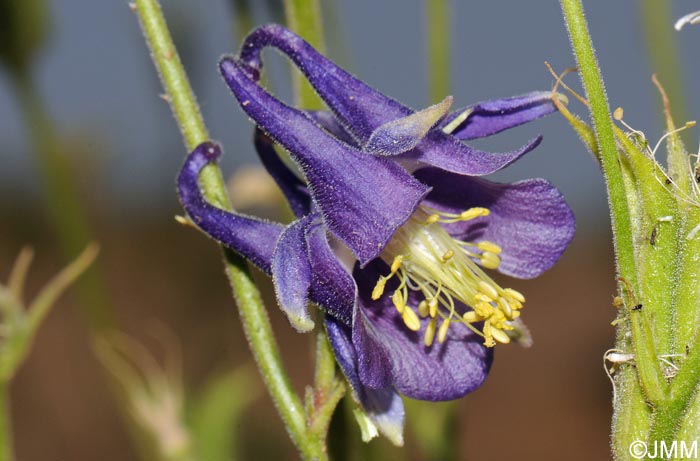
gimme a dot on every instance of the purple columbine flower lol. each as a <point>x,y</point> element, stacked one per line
<point>417,312</point>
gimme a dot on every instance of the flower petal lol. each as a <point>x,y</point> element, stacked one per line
<point>331,286</point>
<point>448,153</point>
<point>384,406</point>
<point>373,363</point>
<point>362,108</point>
<point>252,238</point>
<point>292,187</point>
<point>403,134</point>
<point>491,117</point>
<point>529,219</point>
<point>440,372</point>
<point>363,199</point>
<point>291,273</point>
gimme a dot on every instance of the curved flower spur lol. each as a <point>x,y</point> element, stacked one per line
<point>418,313</point>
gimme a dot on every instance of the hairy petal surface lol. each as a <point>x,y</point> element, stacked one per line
<point>361,108</point>
<point>403,134</point>
<point>367,115</point>
<point>490,117</point>
<point>292,273</point>
<point>292,187</point>
<point>252,238</point>
<point>331,285</point>
<point>363,199</point>
<point>448,153</point>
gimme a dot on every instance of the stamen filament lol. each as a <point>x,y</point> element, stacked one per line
<point>426,259</point>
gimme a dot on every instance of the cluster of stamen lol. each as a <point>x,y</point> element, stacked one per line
<point>425,258</point>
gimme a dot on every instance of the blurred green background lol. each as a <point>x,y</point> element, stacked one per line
<point>90,152</point>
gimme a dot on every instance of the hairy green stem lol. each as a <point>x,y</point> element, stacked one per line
<point>256,324</point>
<point>623,201</point>
<point>325,370</point>
<point>595,91</point>
<point>258,331</point>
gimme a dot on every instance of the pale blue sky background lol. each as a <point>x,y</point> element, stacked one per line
<point>101,88</point>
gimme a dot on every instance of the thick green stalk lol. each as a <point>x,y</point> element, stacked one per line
<point>438,30</point>
<point>253,314</point>
<point>622,200</point>
<point>304,18</point>
<point>595,91</point>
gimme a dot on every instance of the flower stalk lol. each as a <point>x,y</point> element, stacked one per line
<point>256,324</point>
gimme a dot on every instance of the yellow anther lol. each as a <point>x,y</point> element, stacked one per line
<point>433,307</point>
<point>498,320</point>
<point>504,305</point>
<point>442,332</point>
<point>433,218</point>
<point>483,309</point>
<point>489,246</point>
<point>429,335</point>
<point>472,317</point>
<point>397,299</point>
<point>379,288</point>
<point>488,335</point>
<point>490,260</point>
<point>423,309</point>
<point>472,213</point>
<point>410,319</point>
<point>480,297</point>
<point>500,336</point>
<point>488,290</point>
<point>447,273</point>
<point>396,264</point>
<point>515,295</point>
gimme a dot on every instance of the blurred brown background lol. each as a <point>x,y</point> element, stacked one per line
<point>537,403</point>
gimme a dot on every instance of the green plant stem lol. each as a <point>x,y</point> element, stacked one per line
<point>438,37</point>
<point>5,424</point>
<point>253,315</point>
<point>304,18</point>
<point>325,370</point>
<point>258,331</point>
<point>623,233</point>
<point>595,91</point>
<point>648,371</point>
